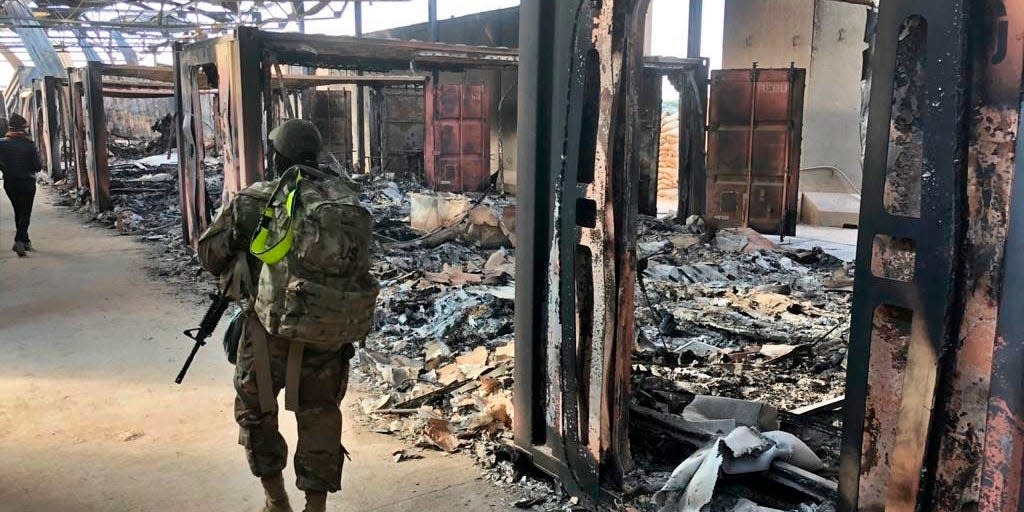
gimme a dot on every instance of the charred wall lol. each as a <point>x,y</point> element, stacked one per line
<point>133,118</point>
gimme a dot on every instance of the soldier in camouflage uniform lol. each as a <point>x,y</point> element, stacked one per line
<point>323,379</point>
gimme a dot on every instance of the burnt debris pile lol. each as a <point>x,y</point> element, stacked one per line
<point>735,316</point>
<point>132,147</point>
<point>441,354</point>
<point>739,370</point>
<point>145,196</point>
<point>727,322</point>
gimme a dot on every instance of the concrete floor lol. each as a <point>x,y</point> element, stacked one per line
<point>839,242</point>
<point>90,419</point>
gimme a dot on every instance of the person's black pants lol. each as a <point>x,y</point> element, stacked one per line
<point>22,194</point>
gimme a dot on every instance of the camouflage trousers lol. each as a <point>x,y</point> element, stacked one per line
<point>322,385</point>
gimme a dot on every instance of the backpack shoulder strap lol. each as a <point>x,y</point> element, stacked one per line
<point>273,252</point>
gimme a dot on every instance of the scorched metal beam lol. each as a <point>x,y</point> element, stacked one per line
<point>935,418</point>
<point>49,89</point>
<point>96,137</point>
<point>575,278</point>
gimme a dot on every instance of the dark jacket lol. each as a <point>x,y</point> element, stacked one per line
<point>19,158</point>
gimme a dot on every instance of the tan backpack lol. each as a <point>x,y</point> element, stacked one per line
<point>315,286</point>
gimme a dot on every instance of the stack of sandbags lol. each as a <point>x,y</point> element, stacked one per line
<point>668,158</point>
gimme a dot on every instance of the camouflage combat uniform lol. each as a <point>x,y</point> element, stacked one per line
<point>223,251</point>
<point>324,380</point>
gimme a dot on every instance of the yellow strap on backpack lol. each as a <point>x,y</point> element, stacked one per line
<point>273,253</point>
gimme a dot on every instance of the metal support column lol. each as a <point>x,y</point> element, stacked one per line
<point>50,99</point>
<point>649,133</point>
<point>77,129</point>
<point>360,103</point>
<point>577,211</point>
<point>35,121</point>
<point>435,35</point>
<point>904,305</point>
<point>248,84</point>
<point>935,415</point>
<point>695,28</point>
<point>693,106</point>
<point>96,138</point>
<point>67,128</point>
<point>980,460</point>
<point>692,124</point>
<point>184,153</point>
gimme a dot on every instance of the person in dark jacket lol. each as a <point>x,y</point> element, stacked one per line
<point>19,161</point>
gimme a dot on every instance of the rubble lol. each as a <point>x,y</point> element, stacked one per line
<point>768,327</point>
<point>441,351</point>
<point>727,314</point>
<point>763,330</point>
<point>738,317</point>
<point>744,450</point>
<point>127,147</point>
<point>146,205</point>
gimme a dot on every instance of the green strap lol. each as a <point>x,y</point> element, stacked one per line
<point>273,253</point>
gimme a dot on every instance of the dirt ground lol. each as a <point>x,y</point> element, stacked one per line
<point>91,420</point>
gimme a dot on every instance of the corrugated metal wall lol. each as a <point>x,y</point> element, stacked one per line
<point>457,146</point>
<point>755,128</point>
<point>398,115</point>
<point>133,117</point>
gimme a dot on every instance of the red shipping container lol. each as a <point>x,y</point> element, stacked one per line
<point>457,145</point>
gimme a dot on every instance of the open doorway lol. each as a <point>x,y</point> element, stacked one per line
<point>718,317</point>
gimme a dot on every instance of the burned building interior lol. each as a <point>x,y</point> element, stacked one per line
<point>637,255</point>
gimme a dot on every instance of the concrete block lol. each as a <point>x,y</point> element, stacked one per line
<point>830,209</point>
<point>430,212</point>
<point>487,225</point>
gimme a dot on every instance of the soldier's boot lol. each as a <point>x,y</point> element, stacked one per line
<point>28,247</point>
<point>19,247</point>
<point>316,502</point>
<point>277,496</point>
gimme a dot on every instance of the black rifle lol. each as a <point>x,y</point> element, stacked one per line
<point>221,301</point>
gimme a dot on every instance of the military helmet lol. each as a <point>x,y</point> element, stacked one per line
<point>297,139</point>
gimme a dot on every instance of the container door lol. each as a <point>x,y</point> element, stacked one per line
<point>755,129</point>
<point>459,148</point>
